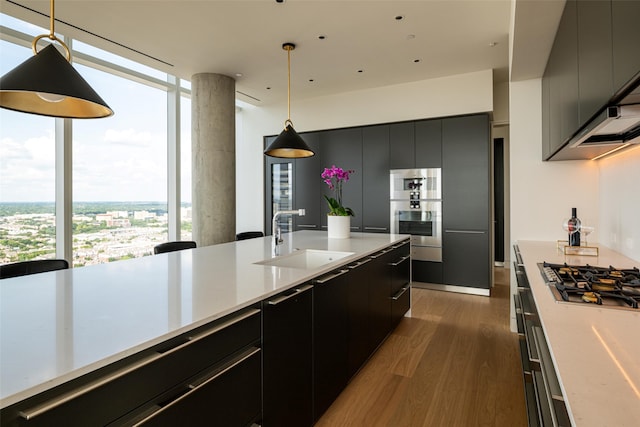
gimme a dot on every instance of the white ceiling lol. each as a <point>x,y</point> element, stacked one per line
<point>185,37</point>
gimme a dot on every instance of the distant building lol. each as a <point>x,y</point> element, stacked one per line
<point>119,214</point>
<point>143,215</point>
<point>104,217</point>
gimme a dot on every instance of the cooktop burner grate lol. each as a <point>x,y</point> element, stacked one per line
<point>586,284</point>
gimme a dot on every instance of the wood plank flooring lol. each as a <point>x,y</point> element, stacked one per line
<point>454,362</point>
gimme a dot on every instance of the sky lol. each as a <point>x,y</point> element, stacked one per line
<point>119,158</point>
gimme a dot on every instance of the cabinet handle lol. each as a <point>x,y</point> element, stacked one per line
<point>307,226</point>
<point>283,298</point>
<point>359,263</point>
<point>377,228</point>
<point>29,414</point>
<point>401,244</point>
<point>400,261</point>
<point>379,254</point>
<point>192,388</point>
<point>329,277</point>
<point>397,296</point>
<point>465,231</point>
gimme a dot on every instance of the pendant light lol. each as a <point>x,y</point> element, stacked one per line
<point>48,85</point>
<point>289,144</point>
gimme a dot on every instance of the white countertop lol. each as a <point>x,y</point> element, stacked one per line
<point>60,325</point>
<point>596,351</point>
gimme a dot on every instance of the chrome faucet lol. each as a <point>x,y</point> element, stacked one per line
<point>277,232</point>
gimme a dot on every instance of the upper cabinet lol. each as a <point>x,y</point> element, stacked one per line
<point>594,55</point>
<point>415,144</point>
<point>428,140</point>
<point>402,145</point>
<point>595,79</point>
<point>626,38</point>
<point>306,192</point>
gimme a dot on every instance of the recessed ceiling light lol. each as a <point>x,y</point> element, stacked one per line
<point>322,37</point>
<point>360,71</point>
<point>279,1</point>
<point>268,88</point>
<point>399,17</point>
<point>311,80</point>
<point>416,60</point>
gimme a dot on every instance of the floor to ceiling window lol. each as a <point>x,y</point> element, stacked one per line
<point>119,173</point>
<point>27,177</point>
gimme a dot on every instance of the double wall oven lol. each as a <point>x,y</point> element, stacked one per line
<point>416,209</point>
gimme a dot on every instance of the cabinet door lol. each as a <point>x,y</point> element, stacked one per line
<point>626,33</point>
<point>567,44</point>
<point>307,186</point>
<point>466,259</point>
<point>359,315</point>
<point>287,345</point>
<point>330,339</point>
<point>375,173</point>
<point>343,148</point>
<point>428,142</point>
<point>466,173</point>
<point>595,75</point>
<point>380,298</point>
<point>402,146</point>
<point>400,283</point>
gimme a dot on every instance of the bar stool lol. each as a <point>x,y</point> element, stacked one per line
<point>173,246</point>
<point>24,268</point>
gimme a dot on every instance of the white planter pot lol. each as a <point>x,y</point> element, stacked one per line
<point>339,227</point>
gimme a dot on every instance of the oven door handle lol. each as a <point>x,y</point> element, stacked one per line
<point>465,231</point>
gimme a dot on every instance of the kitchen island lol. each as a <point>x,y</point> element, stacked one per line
<point>61,326</point>
<point>595,350</point>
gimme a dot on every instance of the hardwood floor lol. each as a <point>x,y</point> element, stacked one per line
<point>454,362</point>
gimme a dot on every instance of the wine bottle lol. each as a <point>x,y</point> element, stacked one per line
<point>574,228</point>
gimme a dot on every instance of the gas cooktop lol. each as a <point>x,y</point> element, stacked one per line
<point>585,284</point>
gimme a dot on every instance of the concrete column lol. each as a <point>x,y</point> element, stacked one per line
<point>213,158</point>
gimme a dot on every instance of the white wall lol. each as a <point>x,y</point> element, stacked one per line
<point>447,96</point>
<point>619,177</point>
<point>543,193</point>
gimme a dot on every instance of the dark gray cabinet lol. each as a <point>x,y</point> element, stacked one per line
<point>343,148</point>
<point>593,59</point>
<point>330,339</point>
<point>428,143</point>
<point>402,145</point>
<point>380,298</point>
<point>595,76</point>
<point>466,201</point>
<point>287,332</point>
<point>626,33</point>
<point>157,384</point>
<point>375,173</point>
<point>359,345</point>
<point>306,188</point>
<point>400,264</point>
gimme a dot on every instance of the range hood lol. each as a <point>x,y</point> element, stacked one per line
<point>615,128</point>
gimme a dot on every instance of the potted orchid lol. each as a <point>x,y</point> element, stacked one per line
<point>339,216</point>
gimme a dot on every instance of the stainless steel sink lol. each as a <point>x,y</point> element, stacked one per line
<point>306,259</point>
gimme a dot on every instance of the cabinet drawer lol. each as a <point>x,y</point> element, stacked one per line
<point>400,304</point>
<point>136,381</point>
<point>228,396</point>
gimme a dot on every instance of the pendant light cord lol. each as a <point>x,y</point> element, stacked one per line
<point>51,35</point>
<point>288,47</point>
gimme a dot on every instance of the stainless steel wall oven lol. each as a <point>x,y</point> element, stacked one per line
<point>416,209</point>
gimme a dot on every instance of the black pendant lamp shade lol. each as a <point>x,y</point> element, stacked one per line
<point>48,85</point>
<point>289,144</point>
